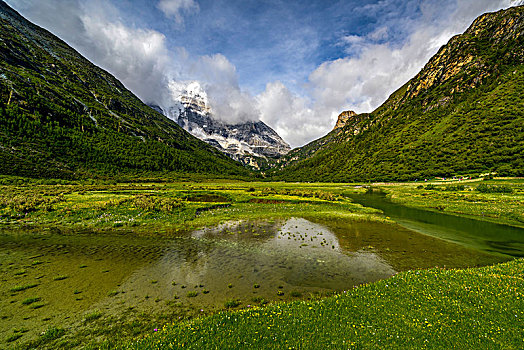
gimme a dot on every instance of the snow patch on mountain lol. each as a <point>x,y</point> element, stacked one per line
<point>190,108</point>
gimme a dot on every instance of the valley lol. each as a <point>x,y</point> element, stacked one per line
<point>131,257</point>
<point>163,222</point>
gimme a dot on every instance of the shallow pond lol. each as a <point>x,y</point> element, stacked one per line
<point>58,280</point>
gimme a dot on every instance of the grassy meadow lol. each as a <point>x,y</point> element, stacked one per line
<point>166,207</point>
<point>435,308</point>
<point>499,200</point>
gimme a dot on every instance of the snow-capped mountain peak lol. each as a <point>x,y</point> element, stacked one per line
<point>241,141</point>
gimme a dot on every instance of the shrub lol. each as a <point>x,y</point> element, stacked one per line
<point>53,333</point>
<point>95,315</point>
<point>484,188</point>
<point>232,303</point>
<point>455,188</point>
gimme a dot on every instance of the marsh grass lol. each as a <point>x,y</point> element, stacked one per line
<point>22,288</point>
<point>232,303</point>
<point>385,309</point>
<point>175,206</point>
<point>60,278</point>
<point>52,333</point>
<point>92,316</point>
<point>502,206</point>
<point>37,305</point>
<point>11,338</point>
<point>29,301</point>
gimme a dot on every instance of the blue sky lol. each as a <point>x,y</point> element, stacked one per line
<point>293,64</point>
<point>273,40</point>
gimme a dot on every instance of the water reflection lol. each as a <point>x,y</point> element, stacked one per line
<point>493,238</point>
<point>250,261</point>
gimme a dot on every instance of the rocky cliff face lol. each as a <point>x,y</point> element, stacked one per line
<point>244,142</point>
<point>343,118</point>
<point>463,63</point>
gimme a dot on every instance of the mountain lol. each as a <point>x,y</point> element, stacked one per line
<point>62,116</point>
<point>462,114</point>
<point>248,142</point>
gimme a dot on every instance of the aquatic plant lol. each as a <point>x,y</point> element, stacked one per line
<point>22,288</point>
<point>231,303</point>
<point>30,300</point>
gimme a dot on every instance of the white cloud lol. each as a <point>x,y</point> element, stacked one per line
<point>292,116</point>
<point>175,8</point>
<point>138,57</point>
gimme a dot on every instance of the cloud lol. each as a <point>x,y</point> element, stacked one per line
<point>227,100</point>
<point>138,57</point>
<point>175,8</point>
<point>292,116</point>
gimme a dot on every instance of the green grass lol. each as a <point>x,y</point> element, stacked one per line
<point>477,308</point>
<point>52,333</point>
<point>94,315</point>
<point>29,301</point>
<point>231,304</point>
<point>13,337</point>
<point>37,305</point>
<point>22,288</point>
<point>167,208</point>
<point>60,278</point>
<point>192,294</point>
<point>101,205</point>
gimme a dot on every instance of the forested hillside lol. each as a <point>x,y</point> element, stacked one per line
<point>62,116</point>
<point>462,114</point>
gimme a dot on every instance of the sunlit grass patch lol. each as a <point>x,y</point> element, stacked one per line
<point>52,333</point>
<point>232,303</point>
<point>37,305</point>
<point>23,287</point>
<point>60,278</point>
<point>29,301</point>
<point>92,316</point>
<point>13,337</point>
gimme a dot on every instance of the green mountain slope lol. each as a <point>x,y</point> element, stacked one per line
<point>61,116</point>
<point>463,113</point>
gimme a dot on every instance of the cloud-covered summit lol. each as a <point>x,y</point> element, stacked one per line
<point>292,64</point>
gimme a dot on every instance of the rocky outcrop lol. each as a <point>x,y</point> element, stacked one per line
<point>343,118</point>
<point>461,62</point>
